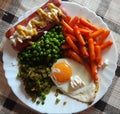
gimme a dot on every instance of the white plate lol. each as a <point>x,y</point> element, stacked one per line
<point>106,75</point>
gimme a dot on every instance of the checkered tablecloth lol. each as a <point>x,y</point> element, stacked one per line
<point>108,10</point>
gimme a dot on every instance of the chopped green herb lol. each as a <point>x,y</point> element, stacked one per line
<point>64,103</point>
<point>88,20</point>
<point>57,101</point>
<point>18,75</point>
<point>56,93</point>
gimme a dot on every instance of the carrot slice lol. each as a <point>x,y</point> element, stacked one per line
<point>91,49</point>
<point>98,54</point>
<point>74,56</point>
<point>65,46</point>
<point>79,36</point>
<point>84,51</point>
<point>88,24</point>
<point>72,44</point>
<point>67,19</point>
<point>106,44</point>
<point>72,37</point>
<point>94,71</point>
<point>103,37</point>
<point>74,21</point>
<point>96,33</point>
<point>68,27</point>
<point>84,31</point>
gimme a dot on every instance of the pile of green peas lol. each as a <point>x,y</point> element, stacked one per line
<point>46,50</point>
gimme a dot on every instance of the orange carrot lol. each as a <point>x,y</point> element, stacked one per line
<point>90,53</point>
<point>65,46</point>
<point>80,25</point>
<point>72,44</point>
<point>74,21</point>
<point>79,36</point>
<point>68,27</point>
<point>88,24</point>
<point>84,31</point>
<point>74,56</point>
<point>103,37</point>
<point>72,37</point>
<point>91,49</point>
<point>98,54</point>
<point>84,51</point>
<point>96,33</point>
<point>67,19</point>
<point>94,71</point>
<point>106,44</point>
<point>95,43</point>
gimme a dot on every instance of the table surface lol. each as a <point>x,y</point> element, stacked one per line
<point>108,10</point>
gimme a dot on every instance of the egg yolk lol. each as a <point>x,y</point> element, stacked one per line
<point>61,72</point>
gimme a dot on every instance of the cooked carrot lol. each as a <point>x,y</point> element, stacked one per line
<point>79,36</point>
<point>84,51</point>
<point>82,26</point>
<point>96,33</point>
<point>95,43</point>
<point>98,54</point>
<point>65,46</point>
<point>74,21</point>
<point>68,27</point>
<point>88,24</point>
<point>106,44</point>
<point>64,30</point>
<point>74,56</point>
<point>91,49</point>
<point>72,37</point>
<point>67,19</point>
<point>72,44</point>
<point>103,37</point>
<point>94,71</point>
<point>84,31</point>
<point>85,42</point>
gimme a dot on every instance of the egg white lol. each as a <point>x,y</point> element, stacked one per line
<point>86,93</point>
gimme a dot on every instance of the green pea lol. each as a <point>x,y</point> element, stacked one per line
<point>43,96</point>
<point>41,53</point>
<point>43,102</point>
<point>38,102</point>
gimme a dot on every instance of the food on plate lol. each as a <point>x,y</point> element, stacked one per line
<point>46,50</point>
<point>72,79</point>
<point>36,60</point>
<point>35,24</point>
<point>57,49</point>
<point>85,43</point>
<point>76,75</point>
<point>36,80</point>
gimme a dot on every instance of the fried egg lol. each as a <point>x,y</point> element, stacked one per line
<point>74,80</point>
